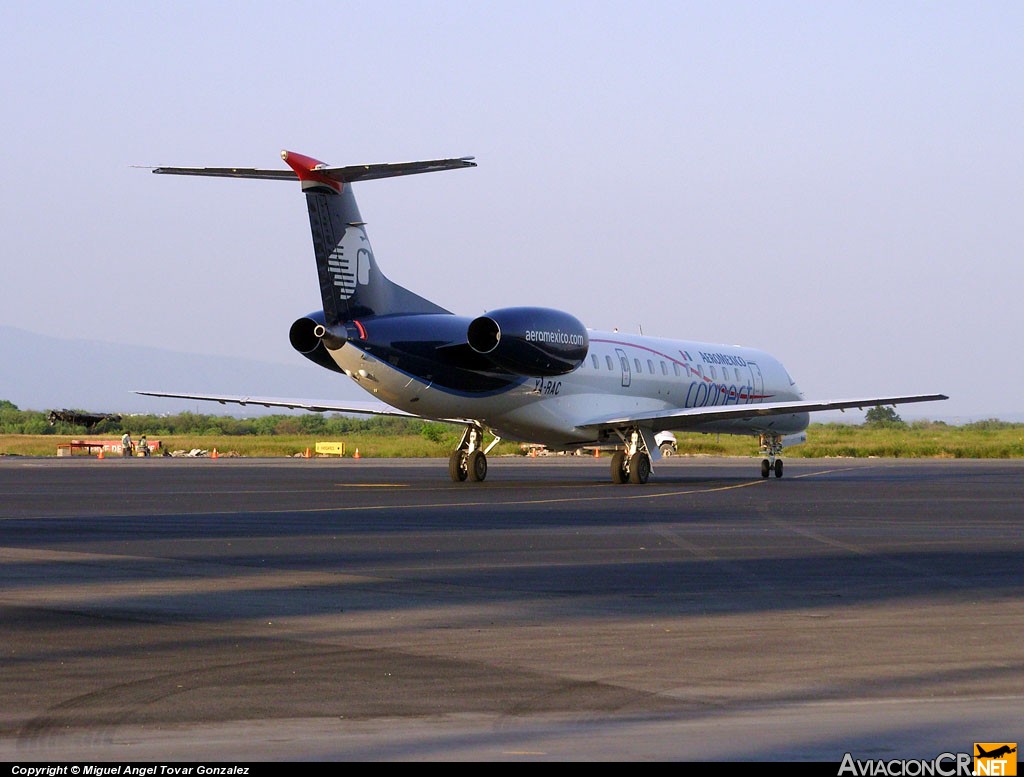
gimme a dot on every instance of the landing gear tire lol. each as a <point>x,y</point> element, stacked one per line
<point>766,468</point>
<point>476,466</point>
<point>457,467</point>
<point>619,474</point>
<point>667,450</point>
<point>778,468</point>
<point>639,468</point>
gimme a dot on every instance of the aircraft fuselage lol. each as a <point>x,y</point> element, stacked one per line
<point>622,374</point>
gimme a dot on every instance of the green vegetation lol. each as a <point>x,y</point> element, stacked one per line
<point>990,439</point>
<point>29,433</point>
<point>369,444</point>
<point>194,425</point>
<point>883,417</point>
<point>884,434</point>
<point>14,421</point>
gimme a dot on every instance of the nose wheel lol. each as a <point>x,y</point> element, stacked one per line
<point>771,448</point>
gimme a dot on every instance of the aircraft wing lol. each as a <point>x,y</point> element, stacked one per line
<point>317,406</point>
<point>661,420</point>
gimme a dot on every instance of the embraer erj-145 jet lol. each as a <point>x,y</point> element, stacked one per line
<point>524,373</point>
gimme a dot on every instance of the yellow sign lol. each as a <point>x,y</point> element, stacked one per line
<point>331,448</point>
<point>995,758</point>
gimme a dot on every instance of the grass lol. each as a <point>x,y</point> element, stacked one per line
<point>925,440</point>
<point>922,440</point>
<point>368,445</point>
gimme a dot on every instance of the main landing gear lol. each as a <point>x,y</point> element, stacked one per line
<point>632,465</point>
<point>468,461</point>
<point>771,449</point>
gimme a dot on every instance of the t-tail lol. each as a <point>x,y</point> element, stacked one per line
<point>351,284</point>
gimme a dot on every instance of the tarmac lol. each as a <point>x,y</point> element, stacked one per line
<point>241,610</point>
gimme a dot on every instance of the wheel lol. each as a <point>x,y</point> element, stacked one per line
<point>457,466</point>
<point>619,474</point>
<point>476,466</point>
<point>778,468</point>
<point>639,468</point>
<point>766,468</point>
<point>667,449</point>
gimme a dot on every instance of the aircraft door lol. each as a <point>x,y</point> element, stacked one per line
<point>756,381</point>
<point>627,376</point>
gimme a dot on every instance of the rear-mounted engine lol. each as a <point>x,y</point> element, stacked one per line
<point>530,341</point>
<point>306,338</point>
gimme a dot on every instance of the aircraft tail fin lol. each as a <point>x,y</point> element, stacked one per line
<point>351,284</point>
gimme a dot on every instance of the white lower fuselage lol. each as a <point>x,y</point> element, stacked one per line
<point>622,375</point>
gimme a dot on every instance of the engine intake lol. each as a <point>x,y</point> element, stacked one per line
<point>530,341</point>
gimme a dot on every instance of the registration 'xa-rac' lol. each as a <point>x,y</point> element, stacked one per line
<point>530,374</point>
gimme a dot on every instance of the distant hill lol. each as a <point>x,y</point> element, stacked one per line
<point>47,373</point>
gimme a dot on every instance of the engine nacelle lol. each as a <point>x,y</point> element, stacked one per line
<point>530,341</point>
<point>307,338</point>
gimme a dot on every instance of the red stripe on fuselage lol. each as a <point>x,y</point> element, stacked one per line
<point>676,361</point>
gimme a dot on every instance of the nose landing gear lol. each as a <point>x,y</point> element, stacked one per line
<point>771,449</point>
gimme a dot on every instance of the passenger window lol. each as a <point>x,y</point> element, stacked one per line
<point>676,368</point>
<point>714,374</point>
<point>650,366</point>
<point>664,369</point>
<point>608,361</point>
<point>624,364</point>
<point>639,369</point>
<point>593,360</point>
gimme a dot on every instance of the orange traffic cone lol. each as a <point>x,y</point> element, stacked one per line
<point>356,454</point>
<point>307,453</point>
<point>214,455</point>
<point>100,454</point>
<point>597,453</point>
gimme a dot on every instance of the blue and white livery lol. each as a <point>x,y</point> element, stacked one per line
<point>530,374</point>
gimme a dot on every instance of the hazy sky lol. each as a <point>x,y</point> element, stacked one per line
<point>837,183</point>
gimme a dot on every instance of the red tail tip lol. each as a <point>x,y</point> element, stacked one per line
<point>306,168</point>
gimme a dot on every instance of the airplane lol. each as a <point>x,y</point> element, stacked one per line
<point>80,418</point>
<point>529,374</point>
<point>998,752</point>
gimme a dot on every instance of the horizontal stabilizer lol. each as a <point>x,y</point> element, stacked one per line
<point>339,174</point>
